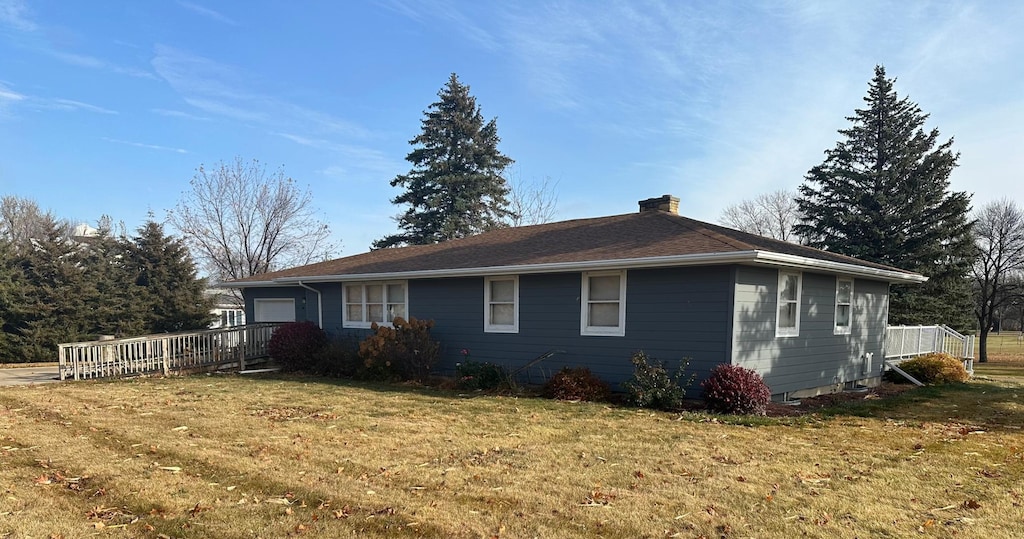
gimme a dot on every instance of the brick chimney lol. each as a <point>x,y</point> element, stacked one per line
<point>667,203</point>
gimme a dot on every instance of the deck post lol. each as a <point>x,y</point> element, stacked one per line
<point>165,355</point>
<point>61,361</point>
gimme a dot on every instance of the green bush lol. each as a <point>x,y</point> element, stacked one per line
<point>653,387</point>
<point>402,351</point>
<point>934,368</point>
<point>472,375</point>
<point>576,384</point>
<point>295,344</point>
<point>340,358</point>
<point>732,389</point>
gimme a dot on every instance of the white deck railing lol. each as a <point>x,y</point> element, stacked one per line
<point>166,353</point>
<point>903,342</point>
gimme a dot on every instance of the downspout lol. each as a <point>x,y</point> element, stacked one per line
<point>319,304</point>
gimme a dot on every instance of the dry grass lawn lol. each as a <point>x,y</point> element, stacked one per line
<point>234,457</point>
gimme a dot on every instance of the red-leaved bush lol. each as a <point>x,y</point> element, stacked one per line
<point>732,389</point>
<point>295,345</point>
<point>578,384</point>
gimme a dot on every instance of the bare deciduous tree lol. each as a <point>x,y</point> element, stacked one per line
<point>771,215</point>
<point>999,234</point>
<point>532,203</point>
<point>21,220</point>
<point>241,221</point>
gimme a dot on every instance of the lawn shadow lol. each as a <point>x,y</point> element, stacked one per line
<point>985,403</point>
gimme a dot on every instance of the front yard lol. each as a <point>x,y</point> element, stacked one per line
<point>233,457</point>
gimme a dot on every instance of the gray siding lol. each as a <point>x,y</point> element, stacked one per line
<point>298,294</point>
<point>670,314</point>
<point>816,357</point>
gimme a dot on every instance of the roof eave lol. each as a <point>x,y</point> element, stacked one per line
<point>771,258</point>
<point>736,257</point>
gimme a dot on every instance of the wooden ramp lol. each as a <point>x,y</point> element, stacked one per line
<point>234,347</point>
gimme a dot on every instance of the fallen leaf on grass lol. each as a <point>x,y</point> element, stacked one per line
<point>279,501</point>
<point>971,504</point>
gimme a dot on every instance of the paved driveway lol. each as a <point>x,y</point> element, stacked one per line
<point>28,375</point>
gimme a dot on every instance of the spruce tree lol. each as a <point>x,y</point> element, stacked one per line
<point>882,195</point>
<point>7,346</point>
<point>166,281</point>
<point>455,188</point>
<point>50,299</point>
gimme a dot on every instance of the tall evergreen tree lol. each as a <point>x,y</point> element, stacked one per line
<point>109,287</point>
<point>455,188</point>
<point>882,195</point>
<point>49,302</point>
<point>166,281</point>
<point>7,346</point>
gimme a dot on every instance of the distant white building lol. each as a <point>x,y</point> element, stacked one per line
<point>85,231</point>
<point>228,309</point>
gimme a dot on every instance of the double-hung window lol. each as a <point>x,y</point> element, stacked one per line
<point>844,305</point>
<point>501,304</point>
<point>787,321</point>
<point>380,302</point>
<point>603,303</point>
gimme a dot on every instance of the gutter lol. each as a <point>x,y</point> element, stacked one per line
<point>319,303</point>
<point>751,257</point>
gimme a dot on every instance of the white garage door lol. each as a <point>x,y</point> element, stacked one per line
<point>274,310</point>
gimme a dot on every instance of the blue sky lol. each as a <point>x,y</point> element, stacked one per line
<point>108,107</point>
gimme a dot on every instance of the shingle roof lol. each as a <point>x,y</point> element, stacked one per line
<point>648,234</point>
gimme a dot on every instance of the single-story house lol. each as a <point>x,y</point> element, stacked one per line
<point>597,290</point>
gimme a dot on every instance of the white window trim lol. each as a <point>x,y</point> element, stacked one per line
<point>501,328</point>
<point>346,323</point>
<point>262,301</point>
<point>620,330</point>
<point>794,331</point>
<point>848,329</point>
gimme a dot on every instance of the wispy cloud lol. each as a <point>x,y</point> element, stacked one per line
<point>146,146</point>
<point>180,114</point>
<point>224,90</point>
<point>71,105</point>
<point>448,12</point>
<point>221,108</point>
<point>8,95</point>
<point>208,13</point>
<point>91,62</point>
<point>15,14</point>
<point>356,157</point>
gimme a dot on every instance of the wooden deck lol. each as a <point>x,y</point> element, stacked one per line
<point>167,353</point>
<point>905,342</point>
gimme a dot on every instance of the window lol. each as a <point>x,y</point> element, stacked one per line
<point>603,303</point>
<point>844,302</point>
<point>501,304</point>
<point>366,303</point>
<point>787,323</point>
<point>274,310</point>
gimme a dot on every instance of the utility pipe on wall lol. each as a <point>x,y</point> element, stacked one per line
<point>319,304</point>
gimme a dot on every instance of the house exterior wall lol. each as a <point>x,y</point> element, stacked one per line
<point>298,294</point>
<point>671,314</point>
<point>816,358</point>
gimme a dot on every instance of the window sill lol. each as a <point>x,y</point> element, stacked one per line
<point>364,325</point>
<point>604,332</point>
<point>501,329</point>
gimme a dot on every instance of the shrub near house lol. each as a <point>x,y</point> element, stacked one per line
<point>935,368</point>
